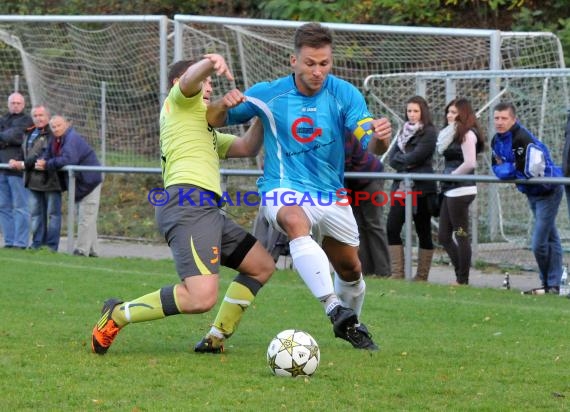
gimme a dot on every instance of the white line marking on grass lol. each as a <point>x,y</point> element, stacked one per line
<point>72,266</point>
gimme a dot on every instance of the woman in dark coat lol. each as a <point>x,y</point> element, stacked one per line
<point>413,153</point>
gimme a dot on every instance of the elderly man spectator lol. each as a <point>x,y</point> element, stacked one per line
<point>14,213</point>
<point>70,148</point>
<point>44,185</point>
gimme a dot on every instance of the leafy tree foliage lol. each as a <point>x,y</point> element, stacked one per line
<point>528,15</point>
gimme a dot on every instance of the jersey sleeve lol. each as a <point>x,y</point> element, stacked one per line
<point>183,101</point>
<point>501,163</point>
<point>358,118</point>
<point>224,143</point>
<point>248,109</point>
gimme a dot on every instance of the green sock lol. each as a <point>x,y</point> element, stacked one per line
<point>155,305</point>
<point>239,296</point>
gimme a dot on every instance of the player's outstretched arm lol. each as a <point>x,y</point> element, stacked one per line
<point>250,144</point>
<point>190,82</point>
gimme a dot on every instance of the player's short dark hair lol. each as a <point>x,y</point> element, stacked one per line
<point>312,35</point>
<point>177,69</point>
<point>501,107</point>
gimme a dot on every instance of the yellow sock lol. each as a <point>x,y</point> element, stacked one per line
<point>237,299</point>
<point>155,305</point>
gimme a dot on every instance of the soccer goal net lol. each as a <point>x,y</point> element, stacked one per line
<point>259,50</point>
<point>105,73</point>
<point>541,97</point>
<point>390,64</point>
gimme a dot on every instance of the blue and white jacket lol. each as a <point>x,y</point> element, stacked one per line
<point>523,156</point>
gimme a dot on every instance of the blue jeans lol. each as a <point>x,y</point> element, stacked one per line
<point>14,213</point>
<point>45,208</point>
<point>546,244</point>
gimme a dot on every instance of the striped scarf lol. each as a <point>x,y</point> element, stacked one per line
<point>408,131</point>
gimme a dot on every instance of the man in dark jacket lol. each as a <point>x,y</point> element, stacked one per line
<point>70,148</point>
<point>44,185</point>
<point>14,213</point>
<point>517,154</point>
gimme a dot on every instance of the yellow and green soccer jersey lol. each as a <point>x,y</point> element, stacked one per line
<point>190,149</point>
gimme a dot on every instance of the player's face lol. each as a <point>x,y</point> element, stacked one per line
<point>451,114</point>
<point>413,112</point>
<point>207,90</point>
<point>504,120</point>
<point>311,67</point>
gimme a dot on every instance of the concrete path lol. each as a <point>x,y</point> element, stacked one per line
<point>440,274</point>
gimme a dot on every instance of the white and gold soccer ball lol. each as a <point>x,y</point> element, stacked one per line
<point>293,353</point>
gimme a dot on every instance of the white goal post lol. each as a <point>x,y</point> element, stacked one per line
<point>108,73</point>
<point>261,48</point>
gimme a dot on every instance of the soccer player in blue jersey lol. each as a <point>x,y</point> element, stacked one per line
<point>305,116</point>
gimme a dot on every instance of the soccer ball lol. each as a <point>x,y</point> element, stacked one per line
<point>293,353</point>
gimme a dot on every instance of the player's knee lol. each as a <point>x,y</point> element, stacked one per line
<point>266,268</point>
<point>350,271</point>
<point>294,222</point>
<point>207,304</point>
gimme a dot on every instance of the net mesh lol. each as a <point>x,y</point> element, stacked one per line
<point>261,53</point>
<point>66,66</point>
<point>541,99</point>
<point>73,67</point>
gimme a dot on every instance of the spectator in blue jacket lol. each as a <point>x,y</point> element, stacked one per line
<point>70,148</point>
<point>517,154</point>
<point>14,212</point>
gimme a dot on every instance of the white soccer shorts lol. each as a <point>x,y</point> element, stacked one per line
<point>334,220</point>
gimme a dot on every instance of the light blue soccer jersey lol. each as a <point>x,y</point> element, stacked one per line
<point>304,135</point>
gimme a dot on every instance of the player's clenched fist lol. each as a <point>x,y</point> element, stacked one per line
<point>233,98</point>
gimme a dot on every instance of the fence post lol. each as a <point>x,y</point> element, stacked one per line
<point>408,228</point>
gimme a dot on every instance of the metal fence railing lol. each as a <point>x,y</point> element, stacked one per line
<point>408,178</point>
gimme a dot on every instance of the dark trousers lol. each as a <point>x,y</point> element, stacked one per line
<point>422,223</point>
<point>454,234</point>
<point>373,249</point>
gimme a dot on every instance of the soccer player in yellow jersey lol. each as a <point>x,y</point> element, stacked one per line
<point>201,237</point>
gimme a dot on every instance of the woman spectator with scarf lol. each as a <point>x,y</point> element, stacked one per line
<point>459,142</point>
<point>413,153</point>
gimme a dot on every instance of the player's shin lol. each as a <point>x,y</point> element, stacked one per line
<point>313,266</point>
<point>238,298</point>
<point>155,305</point>
<point>351,294</point>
